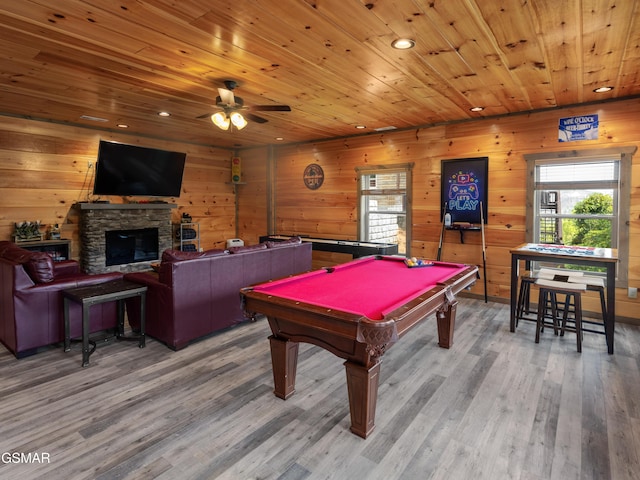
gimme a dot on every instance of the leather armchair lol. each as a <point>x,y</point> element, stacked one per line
<point>31,304</point>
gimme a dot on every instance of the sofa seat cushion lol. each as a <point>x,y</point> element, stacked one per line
<point>63,283</point>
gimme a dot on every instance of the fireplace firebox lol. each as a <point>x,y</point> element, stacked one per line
<point>131,246</point>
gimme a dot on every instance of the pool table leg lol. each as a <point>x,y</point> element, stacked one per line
<point>362,385</point>
<point>284,360</point>
<point>446,322</point>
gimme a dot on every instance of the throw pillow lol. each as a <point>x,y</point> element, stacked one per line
<point>40,267</point>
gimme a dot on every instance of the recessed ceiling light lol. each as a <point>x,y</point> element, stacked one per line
<point>476,109</point>
<point>361,127</point>
<point>164,114</point>
<point>122,125</point>
<point>603,89</point>
<point>279,139</point>
<point>403,43</point>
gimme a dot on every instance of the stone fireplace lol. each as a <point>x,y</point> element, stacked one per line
<point>96,219</point>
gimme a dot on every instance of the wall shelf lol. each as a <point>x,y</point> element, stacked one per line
<point>184,239</point>
<point>58,249</point>
<point>464,228</point>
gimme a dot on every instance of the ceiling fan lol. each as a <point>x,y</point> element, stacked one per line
<point>230,106</point>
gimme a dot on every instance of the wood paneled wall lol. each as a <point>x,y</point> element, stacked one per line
<point>44,171</point>
<point>331,211</point>
<point>45,168</point>
<point>253,195</point>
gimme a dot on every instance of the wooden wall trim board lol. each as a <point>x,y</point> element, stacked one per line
<point>43,169</point>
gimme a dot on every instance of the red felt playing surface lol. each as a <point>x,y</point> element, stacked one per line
<point>369,286</point>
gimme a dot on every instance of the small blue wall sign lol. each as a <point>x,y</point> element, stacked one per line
<point>580,127</point>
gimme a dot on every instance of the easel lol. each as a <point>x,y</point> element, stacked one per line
<point>462,229</point>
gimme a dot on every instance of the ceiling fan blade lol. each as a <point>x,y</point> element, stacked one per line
<point>206,115</point>
<point>254,118</point>
<point>271,108</point>
<point>226,96</point>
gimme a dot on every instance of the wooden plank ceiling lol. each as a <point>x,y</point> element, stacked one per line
<point>331,61</point>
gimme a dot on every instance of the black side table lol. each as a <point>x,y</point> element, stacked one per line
<point>117,290</point>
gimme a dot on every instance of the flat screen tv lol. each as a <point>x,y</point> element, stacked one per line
<point>129,170</point>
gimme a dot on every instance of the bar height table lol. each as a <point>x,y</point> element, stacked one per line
<point>592,257</point>
<point>117,290</point>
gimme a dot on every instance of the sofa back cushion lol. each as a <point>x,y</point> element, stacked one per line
<point>248,248</point>
<point>171,255</point>
<point>15,254</point>
<point>6,245</point>
<point>296,258</point>
<point>284,243</point>
<point>39,265</point>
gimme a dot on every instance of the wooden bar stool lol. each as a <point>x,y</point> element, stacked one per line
<point>529,278</point>
<point>593,283</point>
<point>596,284</point>
<point>522,308</point>
<point>548,298</point>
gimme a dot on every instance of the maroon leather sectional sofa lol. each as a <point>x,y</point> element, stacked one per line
<point>31,305</point>
<point>195,294</point>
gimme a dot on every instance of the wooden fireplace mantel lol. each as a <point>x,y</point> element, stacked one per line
<point>124,206</point>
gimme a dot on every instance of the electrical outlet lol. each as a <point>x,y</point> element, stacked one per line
<point>633,292</point>
<point>89,164</point>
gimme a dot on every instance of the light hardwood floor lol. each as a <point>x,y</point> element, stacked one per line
<point>494,406</point>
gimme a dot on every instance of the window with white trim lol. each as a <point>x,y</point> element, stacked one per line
<point>384,205</point>
<point>581,199</point>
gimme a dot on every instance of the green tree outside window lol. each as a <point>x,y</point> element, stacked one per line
<point>592,232</point>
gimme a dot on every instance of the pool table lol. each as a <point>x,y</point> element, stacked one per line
<point>355,310</point>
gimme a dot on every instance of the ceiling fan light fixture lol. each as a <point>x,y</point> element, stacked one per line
<point>220,120</point>
<point>238,120</point>
<point>403,43</point>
